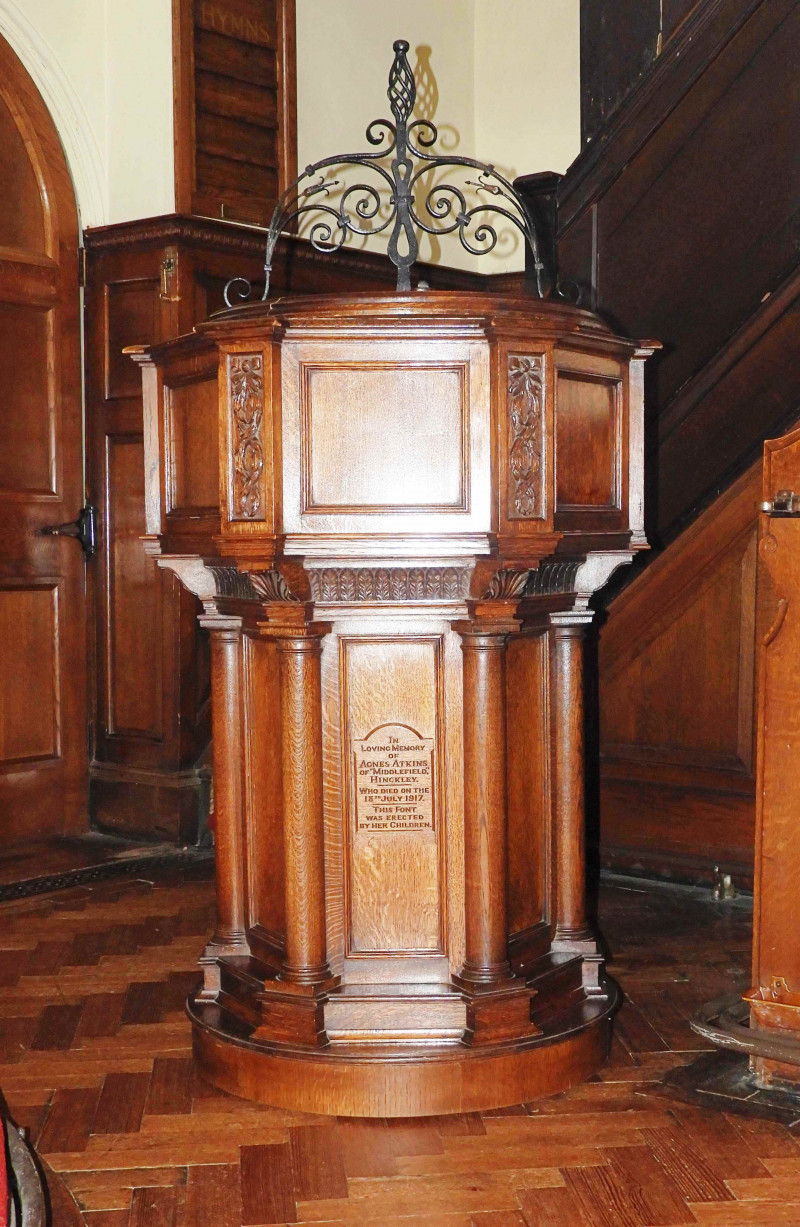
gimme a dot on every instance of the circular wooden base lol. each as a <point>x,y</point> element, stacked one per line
<point>370,1081</point>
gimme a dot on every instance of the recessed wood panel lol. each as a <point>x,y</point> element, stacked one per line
<point>29,674</point>
<point>528,780</point>
<point>587,451</point>
<point>21,205</point>
<point>388,436</point>
<point>676,681</point>
<point>131,319</point>
<point>646,706</point>
<point>194,445</point>
<point>26,398</point>
<point>263,787</point>
<point>133,596</point>
<point>394,880</point>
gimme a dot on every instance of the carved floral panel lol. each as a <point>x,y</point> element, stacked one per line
<point>526,428</point>
<point>246,401</point>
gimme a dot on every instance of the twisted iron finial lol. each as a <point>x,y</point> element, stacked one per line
<point>443,208</point>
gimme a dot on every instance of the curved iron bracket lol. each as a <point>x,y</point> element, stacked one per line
<point>403,166</point>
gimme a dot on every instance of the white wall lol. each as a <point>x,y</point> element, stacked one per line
<point>506,74</point>
<point>104,68</point>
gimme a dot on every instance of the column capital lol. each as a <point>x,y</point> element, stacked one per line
<point>485,635</point>
<point>305,638</point>
<point>225,626</point>
<point>575,620</point>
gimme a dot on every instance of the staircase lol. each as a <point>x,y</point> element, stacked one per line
<point>679,221</point>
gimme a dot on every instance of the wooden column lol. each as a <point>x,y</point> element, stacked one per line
<point>301,733</point>
<point>228,731</point>
<point>485,825</point>
<point>569,817</point>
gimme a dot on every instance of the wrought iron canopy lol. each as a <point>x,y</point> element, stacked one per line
<point>399,164</point>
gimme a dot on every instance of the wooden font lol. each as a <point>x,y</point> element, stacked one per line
<point>418,496</point>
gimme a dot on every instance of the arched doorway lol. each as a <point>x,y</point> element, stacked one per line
<point>43,744</point>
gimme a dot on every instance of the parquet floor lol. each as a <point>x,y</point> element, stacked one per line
<point>95,1054</point>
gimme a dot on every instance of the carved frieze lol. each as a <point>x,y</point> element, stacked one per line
<point>526,437</point>
<point>246,393</point>
<point>345,584</point>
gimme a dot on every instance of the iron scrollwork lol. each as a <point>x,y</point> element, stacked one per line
<point>412,205</point>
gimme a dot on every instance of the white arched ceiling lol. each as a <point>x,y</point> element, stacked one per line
<point>69,117</point>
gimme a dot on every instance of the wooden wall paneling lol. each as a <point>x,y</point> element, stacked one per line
<point>235,106</point>
<point>676,669</point>
<point>43,673</point>
<point>146,283</point>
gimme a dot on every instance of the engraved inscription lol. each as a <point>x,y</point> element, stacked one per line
<point>216,17</point>
<point>394,780</point>
<point>246,376</point>
<point>526,434</point>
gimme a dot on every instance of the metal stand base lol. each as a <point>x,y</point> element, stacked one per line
<point>723,1082</point>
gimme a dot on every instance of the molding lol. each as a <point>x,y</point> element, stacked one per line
<point>292,251</point>
<point>72,124</point>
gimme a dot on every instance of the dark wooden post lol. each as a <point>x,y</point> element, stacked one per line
<point>301,711</point>
<point>228,731</point>
<point>485,824</point>
<point>566,690</point>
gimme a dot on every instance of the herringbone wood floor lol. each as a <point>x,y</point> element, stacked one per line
<point>95,1054</point>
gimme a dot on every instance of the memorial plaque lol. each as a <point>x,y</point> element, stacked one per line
<point>394,780</point>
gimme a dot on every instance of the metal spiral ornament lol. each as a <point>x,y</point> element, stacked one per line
<point>402,157</point>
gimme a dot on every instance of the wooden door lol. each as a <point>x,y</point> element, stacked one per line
<point>43,742</point>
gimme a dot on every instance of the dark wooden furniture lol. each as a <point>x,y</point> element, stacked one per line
<point>395,509</point>
<point>146,282</point>
<point>42,579</point>
<point>235,106</point>
<point>707,262</point>
<point>775,993</point>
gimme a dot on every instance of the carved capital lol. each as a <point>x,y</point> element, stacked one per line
<point>506,585</point>
<point>271,586</point>
<point>213,580</point>
<point>577,577</point>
